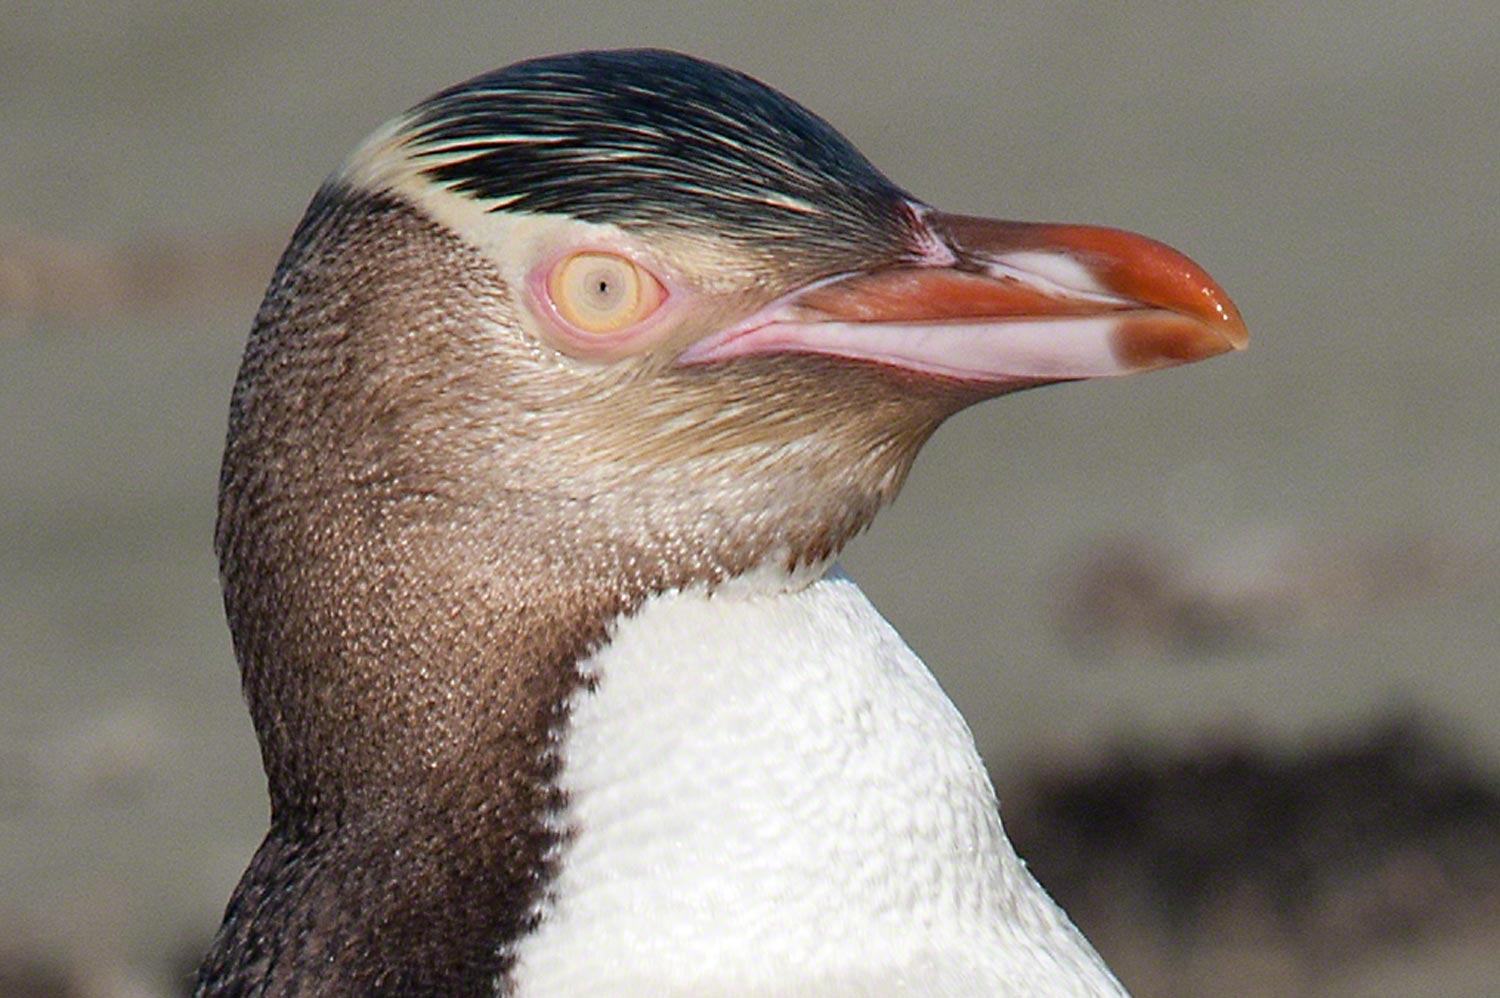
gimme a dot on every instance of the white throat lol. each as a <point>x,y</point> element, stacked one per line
<point>769,794</point>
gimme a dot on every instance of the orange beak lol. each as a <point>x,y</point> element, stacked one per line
<point>1004,305</point>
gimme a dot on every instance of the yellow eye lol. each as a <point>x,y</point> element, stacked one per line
<point>601,292</point>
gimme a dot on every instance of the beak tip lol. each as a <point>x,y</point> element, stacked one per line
<point>1234,330</point>
<point>1221,316</point>
<point>1158,276</point>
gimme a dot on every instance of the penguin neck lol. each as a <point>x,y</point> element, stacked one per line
<point>410,692</point>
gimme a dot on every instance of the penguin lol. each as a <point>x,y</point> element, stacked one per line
<point>565,396</point>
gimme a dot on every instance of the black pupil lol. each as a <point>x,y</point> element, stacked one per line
<point>605,290</point>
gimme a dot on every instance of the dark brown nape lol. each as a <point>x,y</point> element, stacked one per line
<point>410,586</point>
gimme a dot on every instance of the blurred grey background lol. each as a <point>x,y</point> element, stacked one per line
<point>1270,550</point>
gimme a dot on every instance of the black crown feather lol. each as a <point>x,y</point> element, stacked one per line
<point>655,138</point>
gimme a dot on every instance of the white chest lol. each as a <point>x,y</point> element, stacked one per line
<point>769,794</point>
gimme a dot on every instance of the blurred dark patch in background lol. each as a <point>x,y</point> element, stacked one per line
<point>1365,844</point>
